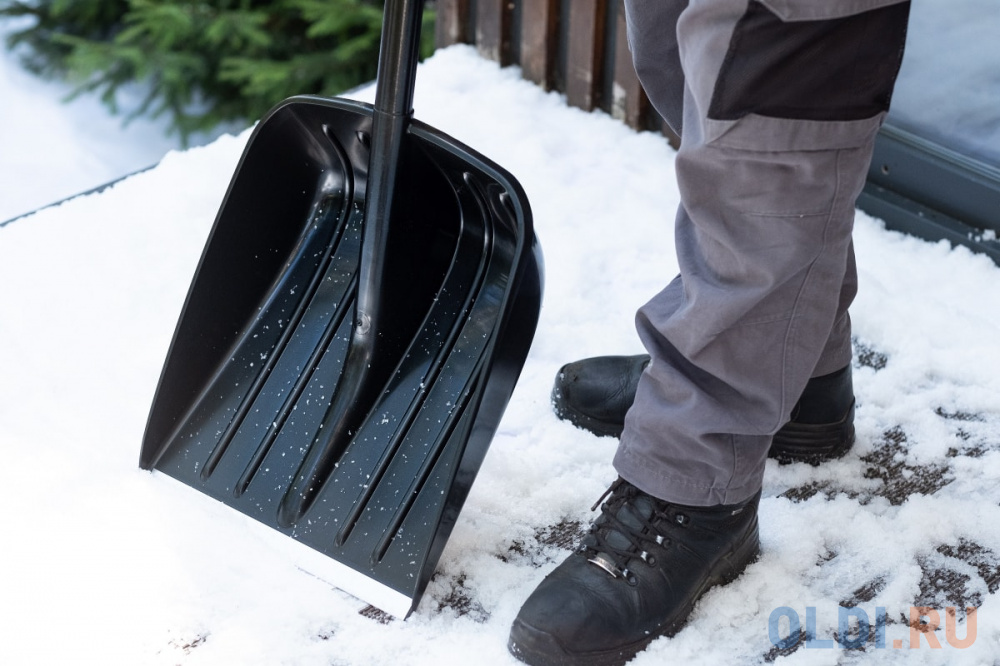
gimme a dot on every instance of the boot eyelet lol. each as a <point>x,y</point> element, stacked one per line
<point>651,560</point>
<point>631,580</point>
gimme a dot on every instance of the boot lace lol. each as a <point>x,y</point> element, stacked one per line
<point>613,543</point>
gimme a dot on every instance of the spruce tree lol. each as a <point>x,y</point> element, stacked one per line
<point>203,62</point>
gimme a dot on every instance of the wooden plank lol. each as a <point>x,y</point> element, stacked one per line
<point>493,30</point>
<point>450,23</point>
<point>539,41</point>
<point>628,100</point>
<point>585,53</point>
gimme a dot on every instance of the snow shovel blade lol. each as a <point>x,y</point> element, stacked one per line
<point>246,410</point>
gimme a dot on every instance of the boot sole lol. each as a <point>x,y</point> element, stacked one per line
<point>539,648</point>
<point>813,443</point>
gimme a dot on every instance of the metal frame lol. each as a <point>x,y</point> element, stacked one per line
<point>931,192</point>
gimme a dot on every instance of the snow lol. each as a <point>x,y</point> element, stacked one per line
<point>50,150</point>
<point>106,564</point>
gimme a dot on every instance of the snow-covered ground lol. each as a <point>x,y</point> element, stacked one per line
<point>51,149</point>
<point>102,563</point>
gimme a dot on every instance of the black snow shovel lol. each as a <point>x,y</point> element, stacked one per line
<point>356,325</point>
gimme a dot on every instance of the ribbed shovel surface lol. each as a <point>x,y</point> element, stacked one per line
<point>243,410</point>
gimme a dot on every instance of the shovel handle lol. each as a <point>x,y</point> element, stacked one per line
<point>398,55</point>
<point>397,70</point>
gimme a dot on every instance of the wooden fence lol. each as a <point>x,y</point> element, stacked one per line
<point>578,47</point>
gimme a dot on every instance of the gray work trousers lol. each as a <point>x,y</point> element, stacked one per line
<point>777,103</point>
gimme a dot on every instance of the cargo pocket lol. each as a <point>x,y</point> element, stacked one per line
<point>832,76</point>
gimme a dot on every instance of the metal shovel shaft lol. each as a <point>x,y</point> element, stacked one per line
<point>358,382</point>
<point>397,70</point>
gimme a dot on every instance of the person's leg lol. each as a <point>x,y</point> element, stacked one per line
<point>595,394</point>
<point>779,119</point>
<point>652,38</point>
<point>837,352</point>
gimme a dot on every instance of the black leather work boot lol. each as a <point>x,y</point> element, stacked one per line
<point>634,578</point>
<point>595,393</point>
